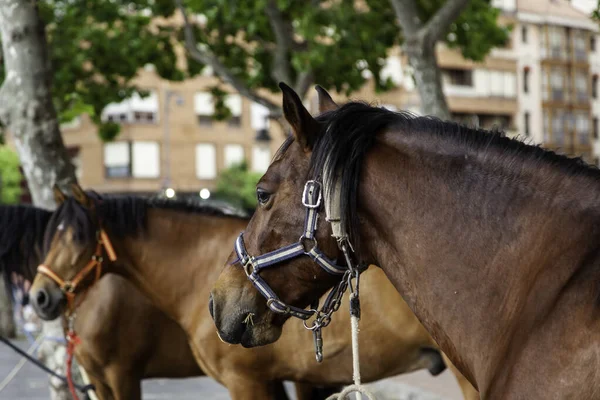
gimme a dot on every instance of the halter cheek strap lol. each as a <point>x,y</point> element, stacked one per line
<point>69,287</point>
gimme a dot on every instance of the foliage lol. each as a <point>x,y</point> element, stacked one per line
<point>97,48</point>
<point>476,30</point>
<point>338,40</point>
<point>237,185</point>
<point>10,176</point>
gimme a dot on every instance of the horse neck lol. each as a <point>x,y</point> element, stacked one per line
<point>478,251</point>
<point>176,260</point>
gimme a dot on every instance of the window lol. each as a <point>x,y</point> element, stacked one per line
<point>557,40</point>
<point>526,80</point>
<point>581,88</point>
<point>146,159</point>
<point>582,128</point>
<point>259,117</point>
<point>595,86</point>
<point>261,158</point>
<point>233,154</point>
<point>144,117</point>
<point>557,82</point>
<point>496,83</point>
<point>458,77</point>
<point>127,159</point>
<point>134,110</point>
<point>234,103</point>
<point>592,42</point>
<point>558,124</point>
<point>595,127</point>
<point>524,34</point>
<point>204,108</point>
<point>117,160</point>
<point>526,123</point>
<point>579,45</point>
<point>206,161</point>
<point>547,123</point>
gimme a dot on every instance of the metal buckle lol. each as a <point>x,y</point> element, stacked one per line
<point>304,241</point>
<point>247,264</point>
<point>286,308</point>
<point>67,287</point>
<point>312,184</point>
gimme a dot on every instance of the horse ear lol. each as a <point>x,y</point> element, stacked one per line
<point>326,103</point>
<point>305,127</point>
<point>80,196</point>
<point>59,196</point>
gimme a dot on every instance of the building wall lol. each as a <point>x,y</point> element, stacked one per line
<point>495,92</point>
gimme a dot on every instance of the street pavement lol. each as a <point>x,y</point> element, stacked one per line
<point>31,384</point>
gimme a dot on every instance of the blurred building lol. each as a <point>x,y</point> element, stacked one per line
<point>170,140</point>
<point>543,85</point>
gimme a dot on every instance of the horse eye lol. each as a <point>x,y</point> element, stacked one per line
<point>263,196</point>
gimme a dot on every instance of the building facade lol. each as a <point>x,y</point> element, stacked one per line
<point>542,85</point>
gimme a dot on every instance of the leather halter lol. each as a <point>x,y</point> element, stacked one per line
<point>69,287</point>
<point>311,199</point>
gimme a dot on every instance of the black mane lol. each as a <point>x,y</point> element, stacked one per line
<point>123,215</point>
<point>21,231</point>
<point>350,131</point>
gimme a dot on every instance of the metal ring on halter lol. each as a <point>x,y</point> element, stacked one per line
<point>249,263</point>
<point>285,307</point>
<point>302,241</point>
<point>316,323</point>
<point>68,287</point>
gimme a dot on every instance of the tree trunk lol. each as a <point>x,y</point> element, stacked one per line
<point>7,321</point>
<point>26,107</point>
<point>27,112</point>
<point>428,79</point>
<point>419,45</point>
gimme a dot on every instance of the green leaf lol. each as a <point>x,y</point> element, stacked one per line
<point>10,176</point>
<point>237,185</point>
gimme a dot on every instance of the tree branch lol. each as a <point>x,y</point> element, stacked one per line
<point>408,17</point>
<point>438,24</point>
<point>303,82</point>
<point>206,56</point>
<point>283,30</point>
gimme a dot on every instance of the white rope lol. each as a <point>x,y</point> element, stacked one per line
<point>86,381</point>
<point>357,387</point>
<point>20,364</point>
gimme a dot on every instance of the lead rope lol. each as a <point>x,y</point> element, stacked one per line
<point>72,341</point>
<point>333,197</point>
<point>357,387</point>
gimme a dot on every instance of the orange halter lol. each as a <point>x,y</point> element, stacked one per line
<point>69,287</point>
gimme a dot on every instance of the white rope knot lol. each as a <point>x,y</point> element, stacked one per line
<point>345,394</point>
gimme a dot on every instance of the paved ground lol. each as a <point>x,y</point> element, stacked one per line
<point>31,384</point>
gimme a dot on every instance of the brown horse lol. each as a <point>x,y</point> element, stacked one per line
<point>493,243</point>
<point>170,251</point>
<point>113,320</point>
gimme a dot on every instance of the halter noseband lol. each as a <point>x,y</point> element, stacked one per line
<point>69,287</point>
<point>312,198</point>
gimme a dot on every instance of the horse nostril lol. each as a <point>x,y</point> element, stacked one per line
<point>211,305</point>
<point>42,298</point>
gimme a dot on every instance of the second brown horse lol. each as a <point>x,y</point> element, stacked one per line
<point>172,253</point>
